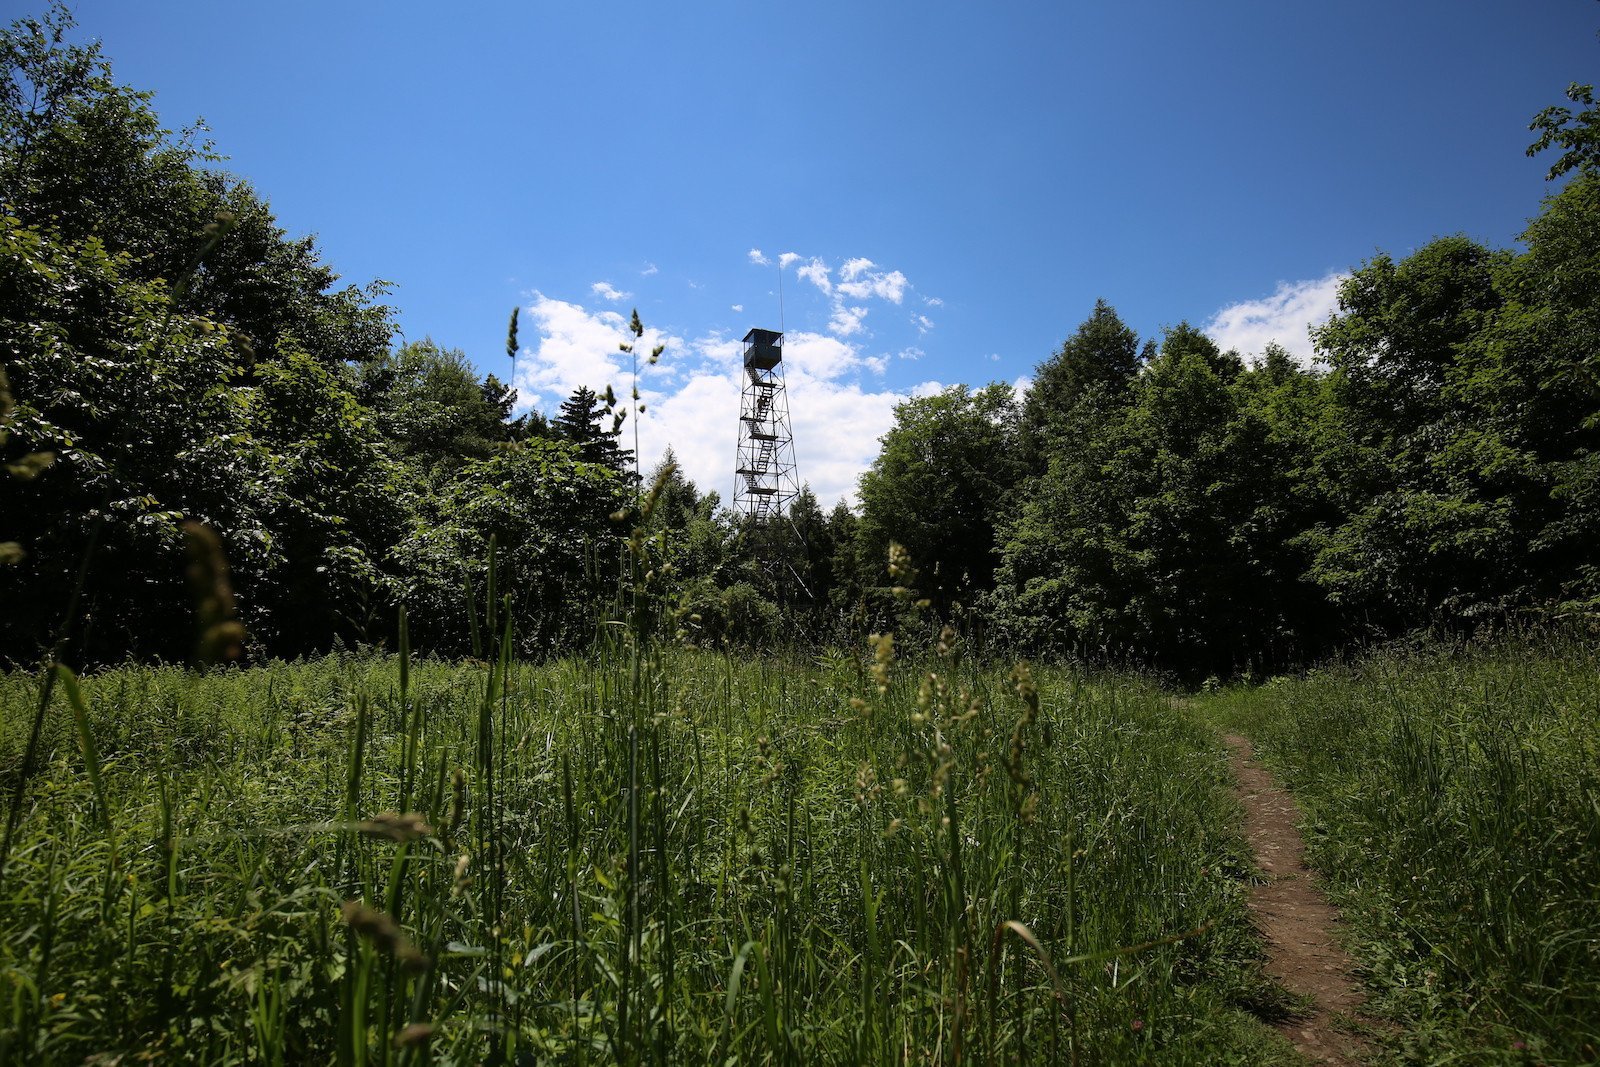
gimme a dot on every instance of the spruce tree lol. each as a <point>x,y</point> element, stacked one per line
<point>582,422</point>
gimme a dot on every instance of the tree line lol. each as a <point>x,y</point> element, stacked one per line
<point>170,354</point>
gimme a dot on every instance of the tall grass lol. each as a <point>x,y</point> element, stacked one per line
<point>1453,802</point>
<point>647,855</point>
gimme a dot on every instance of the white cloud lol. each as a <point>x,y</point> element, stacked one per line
<point>924,324</point>
<point>846,320</point>
<point>738,307</point>
<point>757,258</point>
<point>821,357</point>
<point>890,286</point>
<point>1285,317</point>
<point>859,282</point>
<point>692,397</point>
<point>649,269</point>
<point>994,357</point>
<point>816,272</point>
<point>912,352</point>
<point>607,291</point>
<point>933,301</point>
<point>579,347</point>
<point>854,267</point>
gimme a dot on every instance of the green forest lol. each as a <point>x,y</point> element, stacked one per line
<point>351,717</point>
<point>173,355</point>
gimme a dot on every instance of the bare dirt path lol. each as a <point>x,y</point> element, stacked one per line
<point>1296,920</point>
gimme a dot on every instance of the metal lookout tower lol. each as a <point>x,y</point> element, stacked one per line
<point>765,468</point>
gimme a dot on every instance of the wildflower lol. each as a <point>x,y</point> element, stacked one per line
<point>1137,1025</point>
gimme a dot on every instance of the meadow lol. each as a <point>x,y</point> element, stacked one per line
<point>641,855</point>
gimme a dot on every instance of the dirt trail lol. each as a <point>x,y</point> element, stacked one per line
<point>1295,918</point>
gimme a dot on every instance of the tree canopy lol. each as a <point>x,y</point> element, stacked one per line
<point>170,355</point>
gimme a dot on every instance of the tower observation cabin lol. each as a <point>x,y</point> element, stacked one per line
<point>764,470</point>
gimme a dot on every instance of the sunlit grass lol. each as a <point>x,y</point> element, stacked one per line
<point>632,857</point>
<point>1453,802</point>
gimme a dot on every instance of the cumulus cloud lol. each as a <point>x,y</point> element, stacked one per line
<point>607,291</point>
<point>692,396</point>
<point>578,347</point>
<point>924,324</point>
<point>649,269</point>
<point>859,281</point>
<point>846,320</point>
<point>816,272</point>
<point>912,352</point>
<point>757,258</point>
<point>1285,317</point>
<point>933,301</point>
<point>821,357</point>
<point>738,307</point>
<point>890,286</point>
<point>853,268</point>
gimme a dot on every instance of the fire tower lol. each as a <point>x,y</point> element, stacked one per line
<point>765,468</point>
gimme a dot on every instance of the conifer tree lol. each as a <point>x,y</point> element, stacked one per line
<point>582,422</point>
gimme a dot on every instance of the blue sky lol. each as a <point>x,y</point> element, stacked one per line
<point>956,182</point>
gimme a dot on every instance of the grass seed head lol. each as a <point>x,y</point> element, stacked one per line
<point>31,466</point>
<point>458,799</point>
<point>414,1036</point>
<point>396,827</point>
<point>221,633</point>
<point>882,655</point>
<point>381,929</point>
<point>900,567</point>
